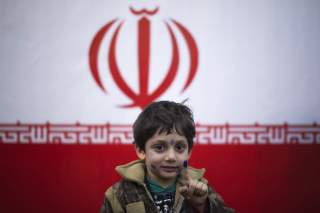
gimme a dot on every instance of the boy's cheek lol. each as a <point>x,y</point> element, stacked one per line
<point>184,157</point>
<point>153,167</point>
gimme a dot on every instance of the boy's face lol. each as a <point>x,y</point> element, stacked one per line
<point>164,155</point>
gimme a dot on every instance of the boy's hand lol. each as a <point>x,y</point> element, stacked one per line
<point>196,192</point>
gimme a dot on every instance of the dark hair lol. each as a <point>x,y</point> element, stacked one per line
<point>165,116</point>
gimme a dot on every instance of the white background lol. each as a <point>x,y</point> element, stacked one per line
<point>258,60</point>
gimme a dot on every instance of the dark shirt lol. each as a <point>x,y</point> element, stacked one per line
<point>163,198</point>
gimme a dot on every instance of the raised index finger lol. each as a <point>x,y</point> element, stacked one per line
<point>184,176</point>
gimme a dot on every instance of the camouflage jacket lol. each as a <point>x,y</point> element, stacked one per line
<point>130,194</point>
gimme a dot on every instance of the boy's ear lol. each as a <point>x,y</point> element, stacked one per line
<point>140,153</point>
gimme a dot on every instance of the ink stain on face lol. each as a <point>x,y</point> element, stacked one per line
<point>172,142</point>
<point>153,167</point>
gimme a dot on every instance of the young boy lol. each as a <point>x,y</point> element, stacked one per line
<point>160,181</point>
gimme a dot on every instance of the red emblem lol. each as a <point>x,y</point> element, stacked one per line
<point>144,96</point>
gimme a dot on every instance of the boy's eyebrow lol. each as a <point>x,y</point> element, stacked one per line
<point>161,141</point>
<point>181,141</point>
<point>165,141</point>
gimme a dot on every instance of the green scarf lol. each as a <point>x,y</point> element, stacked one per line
<point>156,188</point>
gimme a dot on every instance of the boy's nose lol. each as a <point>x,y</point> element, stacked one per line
<point>170,156</point>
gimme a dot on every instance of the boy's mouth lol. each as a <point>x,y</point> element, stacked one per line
<point>170,168</point>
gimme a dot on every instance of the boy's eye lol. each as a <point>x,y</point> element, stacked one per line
<point>180,147</point>
<point>159,147</point>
